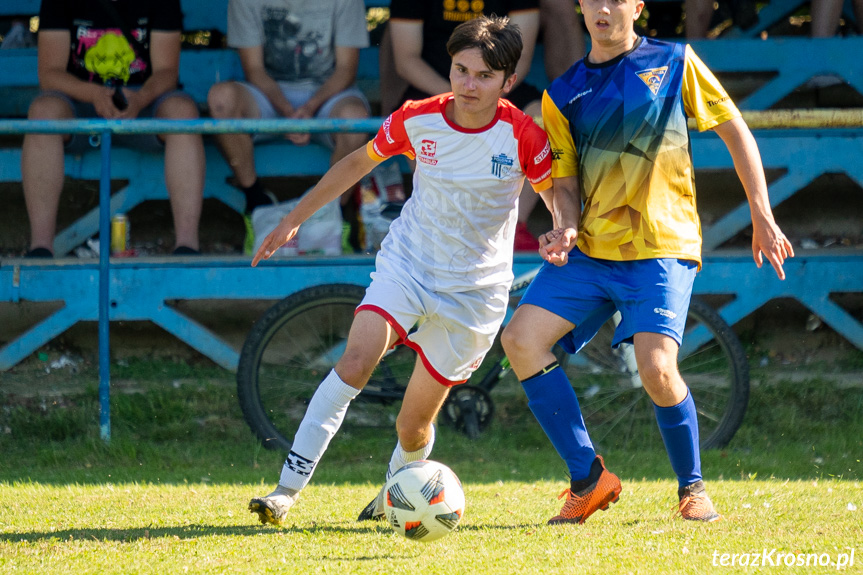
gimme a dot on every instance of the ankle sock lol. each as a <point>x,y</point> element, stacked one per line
<point>401,457</point>
<point>592,477</point>
<point>256,196</point>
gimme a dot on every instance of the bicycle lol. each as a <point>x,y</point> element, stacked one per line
<point>292,347</point>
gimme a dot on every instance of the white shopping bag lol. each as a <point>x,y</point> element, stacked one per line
<point>321,234</point>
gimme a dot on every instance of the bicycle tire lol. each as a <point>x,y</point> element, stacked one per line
<point>618,412</point>
<point>289,351</point>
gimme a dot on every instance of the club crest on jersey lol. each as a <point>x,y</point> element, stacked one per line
<point>653,77</point>
<point>428,148</point>
<point>500,165</point>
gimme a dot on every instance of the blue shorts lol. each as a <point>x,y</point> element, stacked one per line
<point>652,296</point>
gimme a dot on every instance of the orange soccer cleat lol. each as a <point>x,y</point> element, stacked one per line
<point>598,495</point>
<point>695,505</point>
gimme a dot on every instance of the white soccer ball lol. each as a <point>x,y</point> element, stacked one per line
<point>424,500</point>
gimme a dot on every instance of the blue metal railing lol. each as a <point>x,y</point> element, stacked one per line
<point>104,129</point>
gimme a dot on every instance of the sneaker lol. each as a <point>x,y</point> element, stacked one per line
<point>524,240</point>
<point>185,251</point>
<point>375,509</point>
<point>39,253</point>
<point>695,505</point>
<point>598,495</point>
<point>249,239</point>
<point>273,508</point>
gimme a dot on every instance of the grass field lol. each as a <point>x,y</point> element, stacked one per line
<point>169,494</point>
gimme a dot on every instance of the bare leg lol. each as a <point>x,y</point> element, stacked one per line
<point>42,171</point>
<point>232,100</point>
<point>393,86</point>
<point>656,355</point>
<point>423,399</point>
<point>562,36</point>
<point>825,17</point>
<point>698,15</point>
<point>184,172</point>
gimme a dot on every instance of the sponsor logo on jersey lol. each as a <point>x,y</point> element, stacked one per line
<point>711,103</point>
<point>652,78</point>
<point>477,362</point>
<point>428,148</point>
<point>500,165</point>
<point>665,312</point>
<point>386,127</point>
<point>556,153</point>
<point>580,94</point>
<point>545,151</point>
<point>541,178</point>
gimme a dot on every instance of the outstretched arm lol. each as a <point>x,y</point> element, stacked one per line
<point>340,177</point>
<point>767,238</point>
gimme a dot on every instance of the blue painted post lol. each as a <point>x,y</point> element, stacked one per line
<point>105,289</point>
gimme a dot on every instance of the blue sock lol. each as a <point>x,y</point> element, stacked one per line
<point>552,401</point>
<point>678,425</point>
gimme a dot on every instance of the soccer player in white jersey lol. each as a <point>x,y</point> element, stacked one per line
<point>446,264</point>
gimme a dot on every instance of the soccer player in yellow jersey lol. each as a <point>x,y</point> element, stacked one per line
<point>627,237</point>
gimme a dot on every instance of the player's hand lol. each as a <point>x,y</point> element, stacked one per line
<point>283,233</point>
<point>768,239</point>
<point>297,138</point>
<point>554,246</point>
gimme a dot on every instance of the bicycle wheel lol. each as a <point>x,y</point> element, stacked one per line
<point>619,413</point>
<point>289,351</point>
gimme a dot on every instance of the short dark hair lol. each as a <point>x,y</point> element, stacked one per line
<point>496,37</point>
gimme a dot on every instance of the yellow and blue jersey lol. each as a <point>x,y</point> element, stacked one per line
<point>620,127</point>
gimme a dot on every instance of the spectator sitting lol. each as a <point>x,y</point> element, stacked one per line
<point>417,34</point>
<point>83,48</point>
<point>300,61</point>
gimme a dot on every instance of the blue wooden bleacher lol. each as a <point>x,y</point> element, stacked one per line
<point>800,155</point>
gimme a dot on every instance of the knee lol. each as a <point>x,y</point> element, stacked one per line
<point>178,108</point>
<point>515,343</point>
<point>49,108</point>
<point>354,367</point>
<point>658,375</point>
<point>350,108</point>
<point>223,100</point>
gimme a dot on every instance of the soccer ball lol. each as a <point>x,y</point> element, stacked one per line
<point>424,500</point>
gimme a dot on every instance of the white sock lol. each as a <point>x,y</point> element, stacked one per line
<point>401,457</point>
<point>323,418</point>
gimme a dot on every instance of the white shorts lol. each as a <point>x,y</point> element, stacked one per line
<point>451,332</point>
<point>297,95</point>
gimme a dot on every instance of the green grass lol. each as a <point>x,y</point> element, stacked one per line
<point>169,493</point>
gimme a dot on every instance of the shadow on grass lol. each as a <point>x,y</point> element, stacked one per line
<point>184,532</point>
<point>197,531</point>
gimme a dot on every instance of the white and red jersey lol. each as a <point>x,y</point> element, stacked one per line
<point>456,231</point>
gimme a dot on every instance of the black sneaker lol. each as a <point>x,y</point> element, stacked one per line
<point>375,509</point>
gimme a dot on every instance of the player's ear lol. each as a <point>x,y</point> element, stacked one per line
<point>509,82</point>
